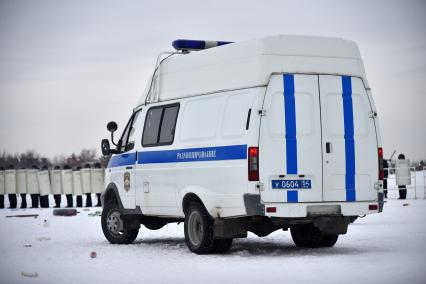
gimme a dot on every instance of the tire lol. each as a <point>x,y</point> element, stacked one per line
<point>115,229</point>
<point>222,245</point>
<point>309,236</point>
<point>329,241</point>
<point>352,218</point>
<point>198,229</point>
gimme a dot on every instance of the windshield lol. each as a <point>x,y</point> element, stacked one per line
<point>127,141</point>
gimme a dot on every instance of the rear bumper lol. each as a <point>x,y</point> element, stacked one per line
<point>295,210</point>
<point>300,210</point>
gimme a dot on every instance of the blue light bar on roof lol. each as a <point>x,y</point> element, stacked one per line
<point>188,44</point>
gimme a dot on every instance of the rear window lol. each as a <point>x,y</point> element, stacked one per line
<point>160,124</point>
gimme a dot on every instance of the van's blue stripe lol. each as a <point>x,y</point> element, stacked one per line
<point>348,118</point>
<point>290,131</point>
<point>290,123</point>
<point>122,160</point>
<point>233,152</point>
<point>292,196</point>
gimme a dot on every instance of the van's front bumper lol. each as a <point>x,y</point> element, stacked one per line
<point>254,206</point>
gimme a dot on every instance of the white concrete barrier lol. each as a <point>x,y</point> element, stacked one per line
<point>55,181</point>
<point>32,182</point>
<point>2,181</point>
<point>10,181</point>
<point>66,178</point>
<point>76,183</point>
<point>44,182</point>
<point>86,180</point>
<point>21,181</point>
<point>97,177</point>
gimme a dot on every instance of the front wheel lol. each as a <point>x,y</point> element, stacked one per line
<point>114,227</point>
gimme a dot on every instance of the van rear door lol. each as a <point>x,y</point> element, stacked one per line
<point>349,140</point>
<point>290,161</point>
<point>317,140</point>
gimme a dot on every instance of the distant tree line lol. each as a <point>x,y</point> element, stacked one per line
<point>31,158</point>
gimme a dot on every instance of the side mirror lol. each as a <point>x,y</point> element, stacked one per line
<point>112,126</point>
<point>106,150</point>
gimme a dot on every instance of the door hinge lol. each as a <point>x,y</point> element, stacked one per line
<point>262,112</point>
<point>372,114</point>
<point>260,186</point>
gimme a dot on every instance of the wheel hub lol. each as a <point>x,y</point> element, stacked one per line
<point>115,223</point>
<point>195,226</point>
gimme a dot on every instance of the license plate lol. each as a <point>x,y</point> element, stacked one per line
<point>292,184</point>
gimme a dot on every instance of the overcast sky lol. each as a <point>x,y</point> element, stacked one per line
<point>68,67</point>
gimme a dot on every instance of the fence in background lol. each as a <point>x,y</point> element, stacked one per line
<point>415,186</point>
<point>40,185</point>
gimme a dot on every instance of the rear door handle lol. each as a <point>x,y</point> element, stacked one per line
<point>129,168</point>
<point>328,147</point>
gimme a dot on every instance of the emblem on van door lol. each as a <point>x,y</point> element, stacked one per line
<point>126,181</point>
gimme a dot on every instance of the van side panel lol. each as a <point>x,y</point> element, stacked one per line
<point>208,156</point>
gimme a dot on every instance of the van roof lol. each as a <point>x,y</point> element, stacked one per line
<point>250,63</point>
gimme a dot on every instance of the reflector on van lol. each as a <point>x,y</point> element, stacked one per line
<point>381,169</point>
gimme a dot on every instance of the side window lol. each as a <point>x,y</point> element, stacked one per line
<point>152,125</point>
<point>168,124</point>
<point>160,125</point>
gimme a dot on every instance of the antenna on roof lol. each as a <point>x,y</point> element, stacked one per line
<point>186,45</point>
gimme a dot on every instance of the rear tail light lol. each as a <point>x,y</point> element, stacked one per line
<point>381,171</point>
<point>271,209</point>
<point>373,207</point>
<point>253,164</point>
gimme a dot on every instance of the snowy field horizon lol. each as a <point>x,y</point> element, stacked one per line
<point>381,248</point>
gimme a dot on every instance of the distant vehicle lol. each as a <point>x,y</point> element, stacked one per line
<point>274,133</point>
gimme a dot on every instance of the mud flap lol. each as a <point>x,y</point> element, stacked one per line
<point>332,225</point>
<point>229,228</point>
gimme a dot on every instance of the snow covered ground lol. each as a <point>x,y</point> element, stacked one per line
<point>381,248</point>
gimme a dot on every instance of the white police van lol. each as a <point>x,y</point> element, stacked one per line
<point>274,133</point>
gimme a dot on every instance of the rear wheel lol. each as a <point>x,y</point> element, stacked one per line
<point>199,230</point>
<point>329,241</point>
<point>309,236</point>
<point>115,227</point>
